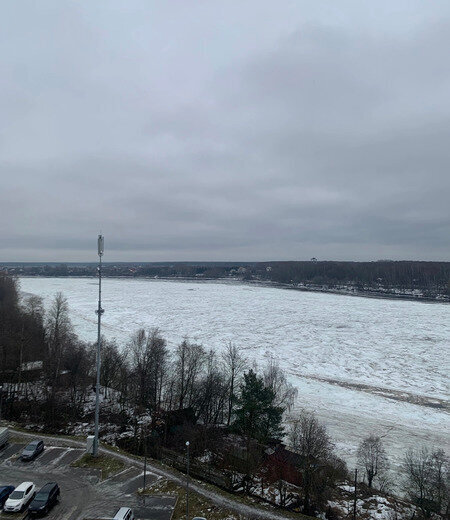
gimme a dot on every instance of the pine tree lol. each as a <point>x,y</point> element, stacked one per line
<point>257,417</point>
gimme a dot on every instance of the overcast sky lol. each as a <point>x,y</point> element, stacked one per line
<point>225,130</point>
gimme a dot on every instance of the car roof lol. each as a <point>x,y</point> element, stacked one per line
<point>24,486</point>
<point>48,486</point>
<point>2,488</point>
<point>121,512</point>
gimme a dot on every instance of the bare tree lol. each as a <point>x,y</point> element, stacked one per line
<point>318,465</point>
<point>427,479</point>
<point>34,306</point>
<point>441,481</point>
<point>60,338</point>
<point>212,391</point>
<point>112,360</point>
<point>275,378</point>
<point>234,367</point>
<point>189,358</point>
<point>59,335</point>
<point>148,362</point>
<point>77,363</point>
<point>373,459</point>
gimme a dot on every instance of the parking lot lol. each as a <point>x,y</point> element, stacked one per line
<point>83,493</point>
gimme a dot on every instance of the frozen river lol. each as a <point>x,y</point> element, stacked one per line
<point>364,365</point>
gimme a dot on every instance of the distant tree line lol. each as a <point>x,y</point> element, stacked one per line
<point>431,277</point>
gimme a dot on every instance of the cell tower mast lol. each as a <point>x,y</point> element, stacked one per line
<point>99,312</point>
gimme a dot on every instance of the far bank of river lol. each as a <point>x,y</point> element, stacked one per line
<point>390,293</point>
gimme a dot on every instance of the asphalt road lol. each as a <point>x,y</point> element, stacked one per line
<point>248,511</point>
<point>83,494</point>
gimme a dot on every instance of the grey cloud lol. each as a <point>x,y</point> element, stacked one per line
<point>204,131</point>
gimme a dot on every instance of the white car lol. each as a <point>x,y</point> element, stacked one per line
<point>124,513</point>
<point>20,497</point>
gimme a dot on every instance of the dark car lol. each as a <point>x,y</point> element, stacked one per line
<point>32,450</point>
<point>5,491</point>
<point>45,499</point>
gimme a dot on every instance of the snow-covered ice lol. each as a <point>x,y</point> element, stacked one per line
<point>365,365</point>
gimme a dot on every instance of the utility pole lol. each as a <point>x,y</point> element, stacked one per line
<point>187,482</point>
<point>355,497</point>
<point>99,312</point>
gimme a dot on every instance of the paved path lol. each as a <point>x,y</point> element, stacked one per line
<point>248,511</point>
<point>83,494</point>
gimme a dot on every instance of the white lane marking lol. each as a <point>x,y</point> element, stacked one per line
<point>57,459</point>
<point>116,474</point>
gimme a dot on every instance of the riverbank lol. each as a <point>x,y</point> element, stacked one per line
<point>379,292</point>
<point>399,280</point>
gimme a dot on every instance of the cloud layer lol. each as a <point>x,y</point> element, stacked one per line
<point>222,131</point>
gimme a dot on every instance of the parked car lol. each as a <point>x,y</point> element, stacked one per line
<point>45,499</point>
<point>5,491</point>
<point>199,518</point>
<point>32,450</point>
<point>20,497</point>
<point>4,436</point>
<point>124,513</point>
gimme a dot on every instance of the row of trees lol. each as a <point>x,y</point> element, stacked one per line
<point>427,276</point>
<point>431,276</point>
<point>426,474</point>
<point>150,377</point>
<point>144,374</point>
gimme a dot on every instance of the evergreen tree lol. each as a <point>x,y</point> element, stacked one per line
<point>257,416</point>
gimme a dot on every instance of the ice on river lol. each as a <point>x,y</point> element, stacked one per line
<point>365,365</point>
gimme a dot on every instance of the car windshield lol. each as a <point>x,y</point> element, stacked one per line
<point>16,495</point>
<point>41,496</point>
<point>31,447</point>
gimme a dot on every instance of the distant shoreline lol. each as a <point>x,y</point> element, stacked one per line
<point>370,292</point>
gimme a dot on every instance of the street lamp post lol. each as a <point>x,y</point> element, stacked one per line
<point>145,457</point>
<point>187,481</point>
<point>99,312</point>
<point>1,401</point>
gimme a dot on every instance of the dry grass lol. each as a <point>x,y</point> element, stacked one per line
<point>198,505</point>
<point>106,464</point>
<point>13,516</point>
